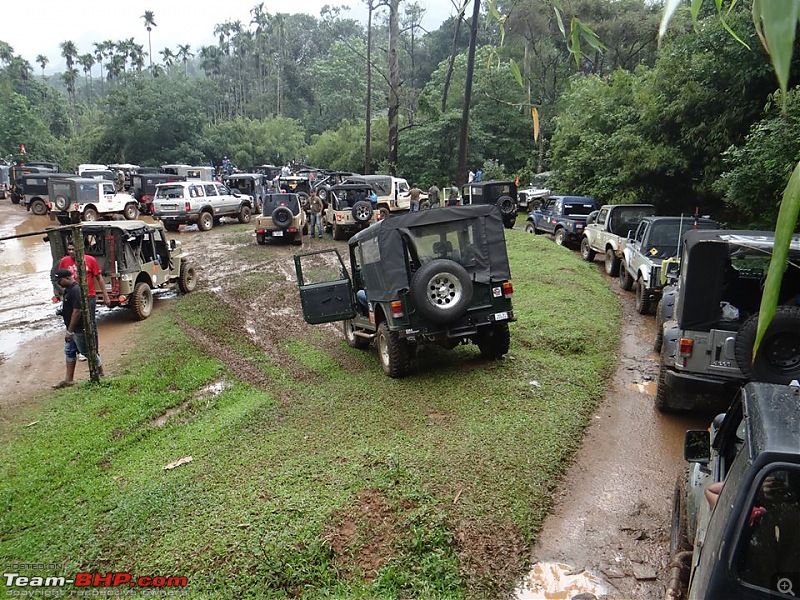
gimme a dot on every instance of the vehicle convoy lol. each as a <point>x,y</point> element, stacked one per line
<point>283,218</point>
<point>654,240</point>
<point>563,216</point>
<point>91,198</point>
<point>33,190</point>
<point>501,193</point>
<point>608,229</point>
<point>349,209</point>
<point>201,202</point>
<point>15,172</point>
<point>135,258</point>
<point>707,344</point>
<point>255,185</point>
<point>430,277</point>
<point>394,193</point>
<point>747,546</point>
<point>143,188</point>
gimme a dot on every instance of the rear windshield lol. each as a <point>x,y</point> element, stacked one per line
<point>578,208</point>
<point>169,191</point>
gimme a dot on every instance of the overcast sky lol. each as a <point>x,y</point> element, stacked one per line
<point>39,28</point>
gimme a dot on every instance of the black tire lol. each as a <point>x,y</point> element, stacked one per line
<point>170,226</point>
<point>612,263</point>
<point>187,281</point>
<point>15,198</point>
<point>587,253</point>
<point>393,352</point>
<point>678,536</point>
<point>441,290</point>
<point>530,228</point>
<point>494,340</point>
<point>778,358</point>
<point>658,340</point>
<point>642,300</point>
<point>505,204</point>
<point>353,340</point>
<point>89,214</point>
<point>142,301</point>
<point>282,217</point>
<point>337,232</point>
<point>560,236</point>
<point>303,199</point>
<point>61,202</point>
<point>362,211</point>
<point>662,397</point>
<point>206,221</point>
<point>624,279</point>
<point>131,211</point>
<point>509,221</point>
<point>63,220</point>
<point>245,214</point>
<point>38,207</point>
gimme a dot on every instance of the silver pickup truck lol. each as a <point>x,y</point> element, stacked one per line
<point>608,228</point>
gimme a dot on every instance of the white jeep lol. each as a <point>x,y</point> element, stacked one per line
<point>92,198</point>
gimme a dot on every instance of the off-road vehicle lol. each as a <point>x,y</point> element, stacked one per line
<point>349,210</point>
<point>430,277</point>
<point>501,193</point>
<point>607,230</point>
<point>283,218</point>
<point>201,202</point>
<point>394,193</point>
<point>92,199</point>
<point>143,188</point>
<point>255,185</point>
<point>747,545</point>
<point>135,258</point>
<point>33,187</point>
<point>707,344</point>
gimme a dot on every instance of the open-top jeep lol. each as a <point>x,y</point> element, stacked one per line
<point>707,343</point>
<point>282,218</point>
<point>736,510</point>
<point>349,209</point>
<point>135,258</point>
<point>435,276</point>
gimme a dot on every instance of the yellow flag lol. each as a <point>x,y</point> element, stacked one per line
<point>535,117</point>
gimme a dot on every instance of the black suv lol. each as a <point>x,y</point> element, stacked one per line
<point>501,193</point>
<point>710,319</point>
<point>736,510</point>
<point>435,276</point>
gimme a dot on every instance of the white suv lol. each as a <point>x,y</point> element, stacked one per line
<point>201,202</point>
<point>92,198</point>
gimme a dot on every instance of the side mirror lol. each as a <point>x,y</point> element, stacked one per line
<point>697,446</point>
<point>236,193</point>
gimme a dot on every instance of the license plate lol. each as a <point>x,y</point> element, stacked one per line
<point>501,316</point>
<point>277,234</point>
<point>169,207</point>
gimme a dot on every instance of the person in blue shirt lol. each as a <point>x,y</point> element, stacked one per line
<point>479,175</point>
<point>373,197</point>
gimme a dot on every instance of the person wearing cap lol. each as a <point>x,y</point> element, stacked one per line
<point>74,336</point>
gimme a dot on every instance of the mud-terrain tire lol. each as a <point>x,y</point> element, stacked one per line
<point>505,204</point>
<point>393,352</point>
<point>560,236</point>
<point>89,214</point>
<point>38,207</point>
<point>170,226</point>
<point>187,280</point>
<point>662,398</point>
<point>530,228</point>
<point>678,538</point>
<point>441,290</point>
<point>282,217</point>
<point>658,340</point>
<point>142,300</point>
<point>611,263</point>
<point>642,300</point>
<point>494,340</point>
<point>353,340</point>
<point>624,279</point>
<point>206,221</point>
<point>587,253</point>
<point>244,214</point>
<point>362,211</point>
<point>778,358</point>
<point>131,211</point>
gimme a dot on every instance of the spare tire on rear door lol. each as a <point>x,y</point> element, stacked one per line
<point>441,290</point>
<point>282,217</point>
<point>362,211</point>
<point>505,204</point>
<point>778,358</point>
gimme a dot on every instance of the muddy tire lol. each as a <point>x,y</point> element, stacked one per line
<point>63,220</point>
<point>778,358</point>
<point>560,236</point>
<point>678,537</point>
<point>624,279</point>
<point>587,253</point>
<point>245,214</point>
<point>38,207</point>
<point>658,339</point>
<point>662,397</point>
<point>205,222</point>
<point>187,281</point>
<point>530,228</point>
<point>441,290</point>
<point>494,340</point>
<point>337,232</point>
<point>89,214</point>
<point>612,263</point>
<point>393,352</point>
<point>353,340</point>
<point>642,300</point>
<point>131,211</point>
<point>172,227</point>
<point>142,301</point>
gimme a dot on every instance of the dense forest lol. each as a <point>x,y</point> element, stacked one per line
<point>692,122</point>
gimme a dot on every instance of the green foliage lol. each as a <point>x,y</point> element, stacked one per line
<point>275,140</point>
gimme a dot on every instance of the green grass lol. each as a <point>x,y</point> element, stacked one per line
<point>358,486</point>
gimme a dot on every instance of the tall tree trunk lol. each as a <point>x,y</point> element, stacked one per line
<point>452,59</point>
<point>394,84</point>
<point>368,121</point>
<point>463,144</point>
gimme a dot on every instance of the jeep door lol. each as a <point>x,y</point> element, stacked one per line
<point>326,291</point>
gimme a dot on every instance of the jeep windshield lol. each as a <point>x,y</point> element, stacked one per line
<point>169,191</point>
<point>665,235</point>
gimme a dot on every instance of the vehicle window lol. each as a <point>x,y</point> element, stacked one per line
<point>169,191</point>
<point>577,208</point>
<point>210,189</point>
<point>601,218</point>
<point>223,190</point>
<point>109,189</point>
<point>640,232</point>
<point>93,244</point>
<point>460,241</point>
<point>769,547</point>
<point>196,191</point>
<point>370,251</point>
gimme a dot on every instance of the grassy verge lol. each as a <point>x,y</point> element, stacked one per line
<point>344,483</point>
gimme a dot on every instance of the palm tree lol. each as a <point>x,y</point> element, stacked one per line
<point>6,52</point>
<point>149,23</point>
<point>42,61</point>
<point>167,57</point>
<point>69,52</point>
<point>87,62</point>
<point>184,54</point>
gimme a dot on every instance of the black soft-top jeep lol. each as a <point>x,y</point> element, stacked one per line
<point>747,545</point>
<point>438,276</point>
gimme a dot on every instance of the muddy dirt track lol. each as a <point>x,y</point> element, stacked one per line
<point>609,532</point>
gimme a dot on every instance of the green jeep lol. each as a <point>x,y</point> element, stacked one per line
<point>437,276</point>
<point>135,258</point>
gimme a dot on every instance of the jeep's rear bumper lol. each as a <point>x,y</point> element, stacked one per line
<point>179,218</point>
<point>691,391</point>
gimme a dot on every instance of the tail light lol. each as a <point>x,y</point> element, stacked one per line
<point>187,206</point>
<point>56,299</point>
<point>123,299</point>
<point>508,289</point>
<point>685,346</point>
<point>397,308</point>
